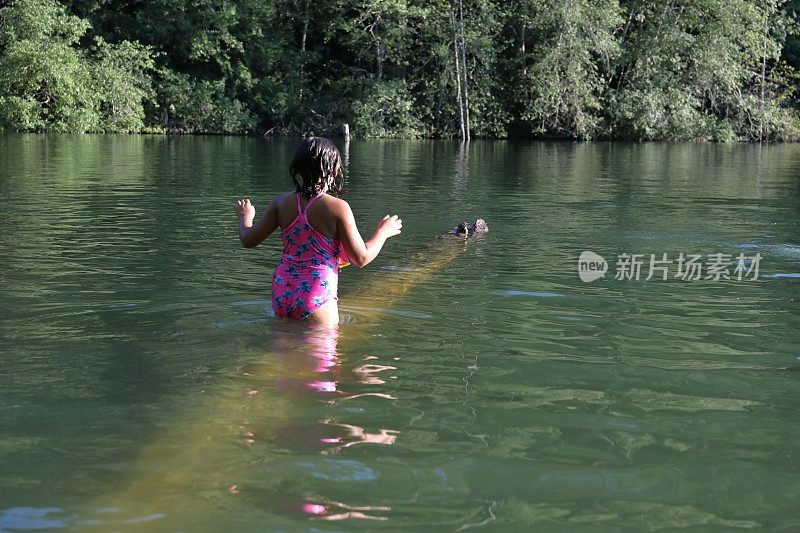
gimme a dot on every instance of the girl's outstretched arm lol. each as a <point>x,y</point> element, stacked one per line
<point>254,234</point>
<point>359,252</point>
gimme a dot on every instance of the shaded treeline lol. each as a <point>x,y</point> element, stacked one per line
<point>584,69</point>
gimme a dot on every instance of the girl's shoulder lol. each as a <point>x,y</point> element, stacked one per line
<point>285,196</point>
<point>285,200</point>
<point>336,205</point>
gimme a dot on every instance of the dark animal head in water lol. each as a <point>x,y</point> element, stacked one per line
<point>468,229</point>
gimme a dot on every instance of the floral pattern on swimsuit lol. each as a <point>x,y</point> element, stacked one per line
<point>307,276</point>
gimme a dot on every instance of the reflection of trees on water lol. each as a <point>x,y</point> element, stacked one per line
<point>102,250</point>
<point>139,299</point>
<point>461,171</point>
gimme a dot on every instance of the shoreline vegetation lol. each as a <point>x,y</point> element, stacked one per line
<point>631,70</point>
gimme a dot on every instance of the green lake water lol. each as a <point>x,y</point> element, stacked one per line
<point>145,385</point>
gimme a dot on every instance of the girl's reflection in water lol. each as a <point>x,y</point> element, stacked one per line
<point>307,378</point>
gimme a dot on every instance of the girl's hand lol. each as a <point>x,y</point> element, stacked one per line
<point>244,209</point>
<point>390,226</point>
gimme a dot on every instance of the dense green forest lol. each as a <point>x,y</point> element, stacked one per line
<point>578,69</point>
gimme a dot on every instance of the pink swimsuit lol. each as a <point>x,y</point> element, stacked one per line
<point>308,275</point>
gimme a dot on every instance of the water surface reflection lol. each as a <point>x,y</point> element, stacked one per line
<point>308,373</point>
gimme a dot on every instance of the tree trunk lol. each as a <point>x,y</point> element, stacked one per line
<point>622,42</point>
<point>305,26</point>
<point>763,76</point>
<point>464,66</point>
<point>458,75</point>
<point>303,37</point>
<point>522,50</point>
<point>378,48</point>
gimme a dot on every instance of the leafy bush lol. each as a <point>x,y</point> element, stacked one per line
<point>661,113</point>
<point>386,109</point>
<point>45,81</point>
<point>200,106</point>
<point>121,75</point>
<point>49,84</point>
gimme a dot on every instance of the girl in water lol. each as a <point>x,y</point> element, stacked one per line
<point>318,231</point>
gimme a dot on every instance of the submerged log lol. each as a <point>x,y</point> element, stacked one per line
<point>204,461</point>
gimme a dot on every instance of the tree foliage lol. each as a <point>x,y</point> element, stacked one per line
<point>582,69</point>
<point>49,82</point>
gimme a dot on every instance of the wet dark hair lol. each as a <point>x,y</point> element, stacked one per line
<point>318,163</point>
